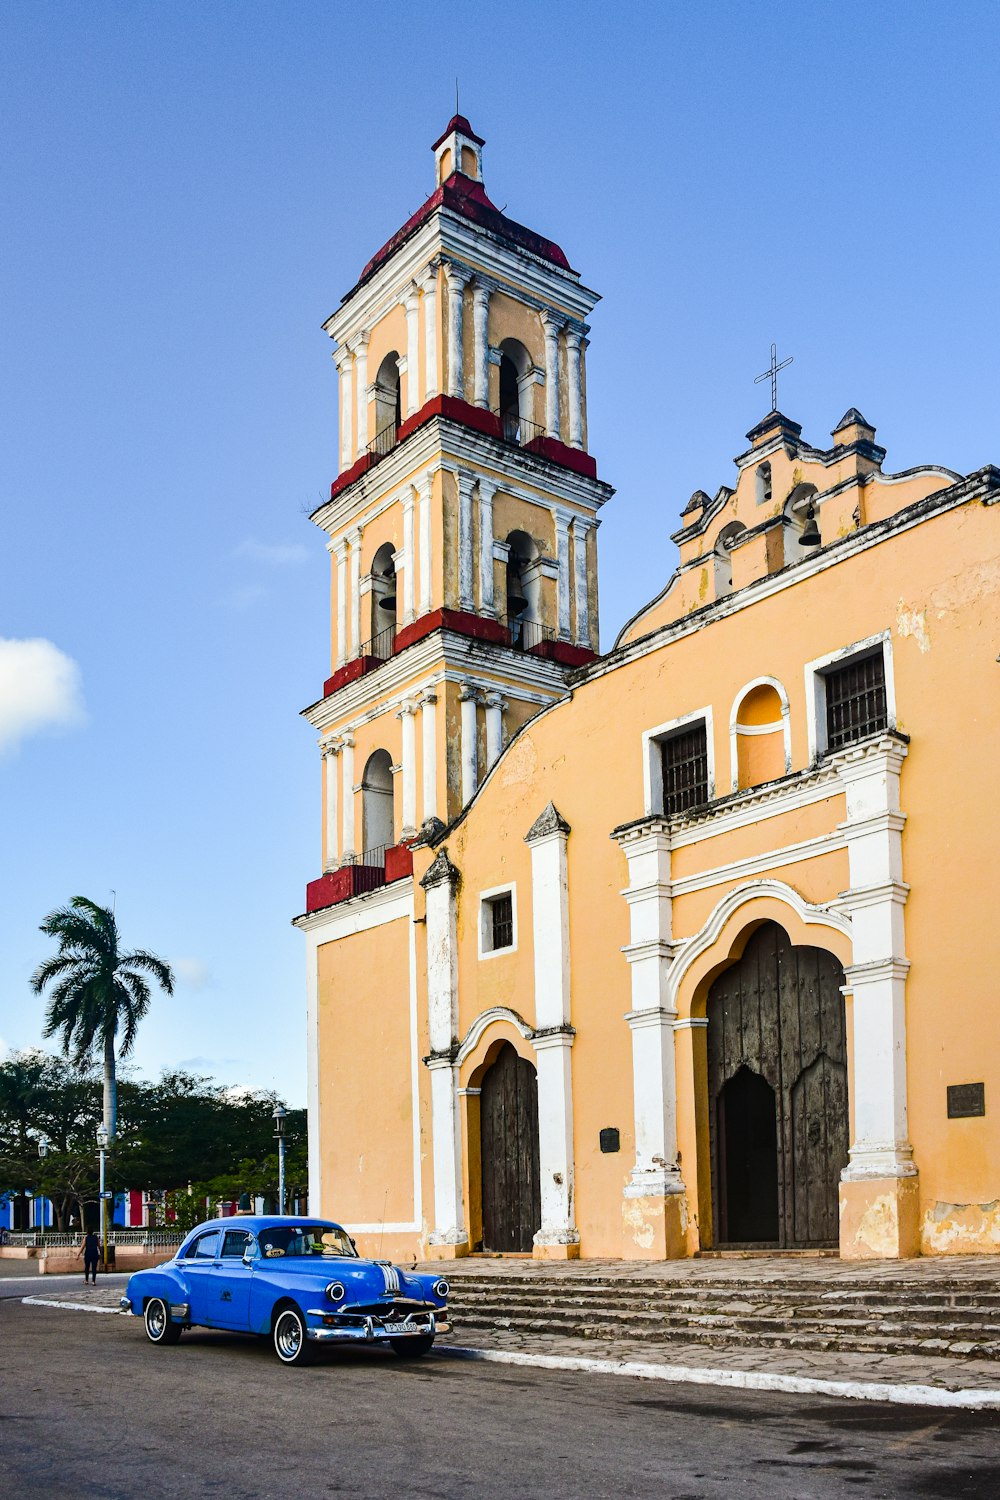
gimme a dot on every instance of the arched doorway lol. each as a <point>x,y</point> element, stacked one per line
<point>777,1084</point>
<point>508,1115</point>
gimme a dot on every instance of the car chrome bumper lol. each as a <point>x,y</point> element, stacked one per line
<point>124,1305</point>
<point>371,1330</point>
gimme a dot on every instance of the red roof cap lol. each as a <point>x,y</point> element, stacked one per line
<point>458,122</point>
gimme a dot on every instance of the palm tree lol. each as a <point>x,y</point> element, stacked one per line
<point>99,994</point>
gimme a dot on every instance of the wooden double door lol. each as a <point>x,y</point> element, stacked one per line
<point>777,1083</point>
<point>508,1115</point>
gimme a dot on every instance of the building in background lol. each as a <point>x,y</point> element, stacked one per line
<point>675,948</point>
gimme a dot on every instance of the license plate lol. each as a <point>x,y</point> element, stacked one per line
<point>401,1328</point>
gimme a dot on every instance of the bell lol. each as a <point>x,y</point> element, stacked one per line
<point>810,536</point>
<point>388,601</point>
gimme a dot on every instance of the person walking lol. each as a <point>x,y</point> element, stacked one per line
<point>91,1252</point>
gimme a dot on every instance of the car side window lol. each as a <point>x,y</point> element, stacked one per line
<point>207,1246</point>
<point>234,1244</point>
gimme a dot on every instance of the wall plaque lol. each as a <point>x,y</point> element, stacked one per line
<point>610,1140</point>
<point>966,1100</point>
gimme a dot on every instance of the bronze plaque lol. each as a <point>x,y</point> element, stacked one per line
<point>966,1100</point>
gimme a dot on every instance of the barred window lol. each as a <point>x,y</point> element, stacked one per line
<point>855,700</point>
<point>685,769</point>
<point>498,922</point>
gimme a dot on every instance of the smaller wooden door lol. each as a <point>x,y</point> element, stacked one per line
<point>508,1112</point>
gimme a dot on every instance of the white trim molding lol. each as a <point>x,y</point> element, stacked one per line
<point>652,767</point>
<point>486,899</point>
<point>483,1022</point>
<point>815,685</point>
<point>736,728</point>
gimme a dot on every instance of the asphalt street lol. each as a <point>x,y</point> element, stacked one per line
<point>87,1407</point>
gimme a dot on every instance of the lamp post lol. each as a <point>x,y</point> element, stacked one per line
<point>102,1146</point>
<point>43,1152</point>
<point>279,1130</point>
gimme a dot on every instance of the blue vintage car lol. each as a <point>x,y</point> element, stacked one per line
<point>295,1281</point>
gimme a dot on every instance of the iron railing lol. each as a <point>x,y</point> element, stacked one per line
<point>525,635</point>
<point>383,442</point>
<point>56,1240</point>
<point>380,646</point>
<point>517,429</point>
<point>855,701</point>
<point>685,770</point>
<point>373,859</point>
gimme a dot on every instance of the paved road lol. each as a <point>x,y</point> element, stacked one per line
<point>87,1407</point>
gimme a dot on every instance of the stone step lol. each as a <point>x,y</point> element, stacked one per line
<point>899,1305</point>
<point>775,1313</point>
<point>962,1293</point>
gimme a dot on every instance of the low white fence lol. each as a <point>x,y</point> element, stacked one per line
<point>143,1239</point>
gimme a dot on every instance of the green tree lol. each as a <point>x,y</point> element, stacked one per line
<point>98,993</point>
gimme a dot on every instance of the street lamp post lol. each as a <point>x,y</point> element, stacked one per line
<point>102,1146</point>
<point>279,1130</point>
<point>43,1151</point>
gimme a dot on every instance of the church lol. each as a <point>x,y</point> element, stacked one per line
<point>670,946</point>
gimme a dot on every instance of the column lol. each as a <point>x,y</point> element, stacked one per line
<point>562,519</point>
<point>360,346</point>
<point>469,698</point>
<point>407,716</point>
<point>331,750</point>
<point>449,1235</point>
<point>425,486</point>
<point>410,563</point>
<point>880,1170</point>
<point>558,1237</point>
<point>487,489</point>
<point>574,338</point>
<point>495,706</point>
<point>342,359</point>
<point>428,731</point>
<point>551,326</point>
<point>347,798</point>
<point>481,348</point>
<point>339,551</point>
<point>411,305</point>
<point>465,485</point>
<point>655,1191</point>
<point>457,277</point>
<point>428,285</point>
<point>355,543</point>
<point>580,529</point>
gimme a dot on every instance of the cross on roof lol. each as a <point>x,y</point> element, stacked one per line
<point>772,374</point>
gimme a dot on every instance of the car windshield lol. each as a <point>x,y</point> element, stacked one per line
<point>305,1239</point>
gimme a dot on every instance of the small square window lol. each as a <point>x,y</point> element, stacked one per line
<point>497,922</point>
<point>685,769</point>
<point>855,700</point>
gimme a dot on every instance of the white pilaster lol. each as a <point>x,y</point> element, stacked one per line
<point>554,1034</point>
<point>411,560</point>
<point>562,520</point>
<point>551,326</point>
<point>355,544</point>
<point>331,771</point>
<point>875,903</point>
<point>651,1019</point>
<point>339,551</point>
<point>347,798</point>
<point>428,285</point>
<point>426,488</point>
<point>466,482</point>
<point>360,346</point>
<point>343,359</point>
<point>407,716</point>
<point>457,278</point>
<point>574,385</point>
<point>428,731</point>
<point>411,304</point>
<point>440,884</point>
<point>580,529</point>
<point>469,699</point>
<point>495,706</point>
<point>481,349</point>
<point>487,489</point>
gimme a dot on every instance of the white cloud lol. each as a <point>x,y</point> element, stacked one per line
<point>278,554</point>
<point>192,972</point>
<point>40,688</point>
<point>246,597</point>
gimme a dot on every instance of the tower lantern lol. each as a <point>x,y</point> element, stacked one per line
<point>458,149</point>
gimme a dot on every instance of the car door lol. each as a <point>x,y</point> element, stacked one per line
<point>231,1281</point>
<point>199,1272</point>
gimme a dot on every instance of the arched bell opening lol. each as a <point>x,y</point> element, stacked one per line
<point>388,404</point>
<point>377,809</point>
<point>515,377</point>
<point>523,595</point>
<point>723,559</point>
<point>800,529</point>
<point>383,589</point>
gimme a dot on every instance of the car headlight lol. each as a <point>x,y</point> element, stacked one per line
<point>441,1289</point>
<point>336,1291</point>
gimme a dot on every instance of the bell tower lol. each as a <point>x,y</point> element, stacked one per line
<point>462,525</point>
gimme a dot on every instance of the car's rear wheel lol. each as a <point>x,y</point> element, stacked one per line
<point>413,1347</point>
<point>159,1327</point>
<point>288,1336</point>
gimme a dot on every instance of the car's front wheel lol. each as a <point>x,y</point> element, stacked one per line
<point>288,1336</point>
<point>159,1327</point>
<point>413,1347</point>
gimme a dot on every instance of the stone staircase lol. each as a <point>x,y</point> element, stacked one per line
<point>946,1316</point>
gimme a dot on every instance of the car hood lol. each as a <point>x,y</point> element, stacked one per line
<point>363,1280</point>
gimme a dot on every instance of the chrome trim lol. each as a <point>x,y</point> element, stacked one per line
<point>124,1305</point>
<point>180,1311</point>
<point>367,1332</point>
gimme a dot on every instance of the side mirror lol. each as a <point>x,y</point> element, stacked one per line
<point>249,1256</point>
<point>354,1243</point>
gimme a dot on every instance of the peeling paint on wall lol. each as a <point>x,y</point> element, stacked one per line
<point>638,1223</point>
<point>961,1229</point>
<point>913,622</point>
<point>520,763</point>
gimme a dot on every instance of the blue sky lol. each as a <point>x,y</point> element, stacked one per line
<point>189,188</point>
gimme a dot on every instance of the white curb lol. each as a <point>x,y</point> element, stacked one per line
<point>747,1380</point>
<point>72,1306</point>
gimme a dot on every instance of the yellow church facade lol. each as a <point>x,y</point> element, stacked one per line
<point>674,948</point>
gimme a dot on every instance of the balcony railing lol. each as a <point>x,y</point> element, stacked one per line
<point>383,442</point>
<point>526,635</point>
<point>379,646</point>
<point>517,429</point>
<point>373,859</point>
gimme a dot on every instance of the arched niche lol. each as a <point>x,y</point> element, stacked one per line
<point>760,733</point>
<point>377,811</point>
<point>516,368</point>
<point>383,589</point>
<point>762,483</point>
<point>388,408</point>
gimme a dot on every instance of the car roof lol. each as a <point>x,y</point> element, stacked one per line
<point>256,1222</point>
